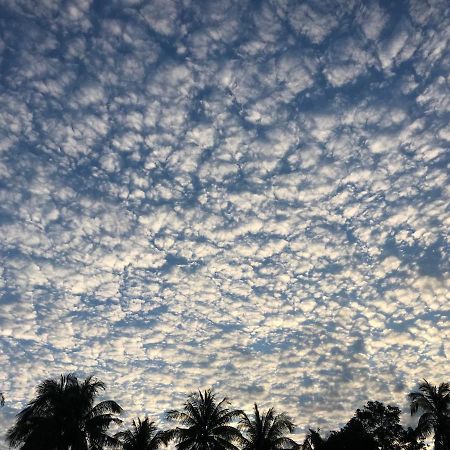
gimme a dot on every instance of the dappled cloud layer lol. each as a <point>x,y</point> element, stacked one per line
<point>252,196</point>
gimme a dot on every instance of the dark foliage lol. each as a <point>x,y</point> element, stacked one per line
<point>63,416</point>
<point>206,424</point>
<point>412,440</point>
<point>383,424</point>
<point>434,404</point>
<point>313,441</point>
<point>144,435</point>
<point>375,427</point>
<point>266,431</point>
<point>352,437</point>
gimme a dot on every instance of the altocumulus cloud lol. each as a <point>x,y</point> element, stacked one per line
<point>247,195</point>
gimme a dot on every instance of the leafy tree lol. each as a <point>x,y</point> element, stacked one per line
<point>352,437</point>
<point>266,431</point>
<point>143,435</point>
<point>356,435</point>
<point>62,416</point>
<point>383,423</point>
<point>206,424</point>
<point>434,404</point>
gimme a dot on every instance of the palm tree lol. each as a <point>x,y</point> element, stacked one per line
<point>62,416</point>
<point>143,436</point>
<point>434,403</point>
<point>206,424</point>
<point>266,431</point>
<point>313,441</point>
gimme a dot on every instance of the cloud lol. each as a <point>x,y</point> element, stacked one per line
<point>250,197</point>
<point>161,16</point>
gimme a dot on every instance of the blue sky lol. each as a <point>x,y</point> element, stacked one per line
<point>252,196</point>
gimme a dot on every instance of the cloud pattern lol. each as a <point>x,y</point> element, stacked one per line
<point>247,195</point>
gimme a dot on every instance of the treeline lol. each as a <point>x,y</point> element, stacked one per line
<point>64,416</point>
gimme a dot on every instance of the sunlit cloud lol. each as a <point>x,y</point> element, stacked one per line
<point>249,197</point>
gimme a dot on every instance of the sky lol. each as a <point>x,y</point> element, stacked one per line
<point>252,196</point>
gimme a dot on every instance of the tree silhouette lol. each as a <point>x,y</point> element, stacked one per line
<point>383,423</point>
<point>62,416</point>
<point>206,424</point>
<point>313,441</point>
<point>434,404</point>
<point>143,435</point>
<point>412,440</point>
<point>352,437</point>
<point>266,431</point>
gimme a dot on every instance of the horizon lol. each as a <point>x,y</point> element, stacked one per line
<point>251,196</point>
<point>163,424</point>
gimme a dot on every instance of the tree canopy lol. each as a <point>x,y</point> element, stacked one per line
<point>433,402</point>
<point>64,415</point>
<point>266,431</point>
<point>206,423</point>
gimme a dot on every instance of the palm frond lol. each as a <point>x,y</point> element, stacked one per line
<point>104,407</point>
<point>225,444</point>
<point>180,416</point>
<point>267,420</point>
<point>426,425</point>
<point>284,443</point>
<point>186,444</point>
<point>104,440</point>
<point>267,430</point>
<point>226,431</point>
<point>245,422</point>
<point>227,416</point>
<point>205,419</point>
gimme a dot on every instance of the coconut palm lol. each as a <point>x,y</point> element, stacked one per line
<point>313,441</point>
<point>143,435</point>
<point>206,424</point>
<point>266,431</point>
<point>63,416</point>
<point>434,404</point>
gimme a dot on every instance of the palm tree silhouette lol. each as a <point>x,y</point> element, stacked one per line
<point>143,435</point>
<point>266,431</point>
<point>313,441</point>
<point>206,424</point>
<point>434,403</point>
<point>62,416</point>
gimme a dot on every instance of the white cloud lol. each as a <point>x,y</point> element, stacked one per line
<point>161,15</point>
<point>373,19</point>
<point>253,198</point>
<point>310,20</point>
